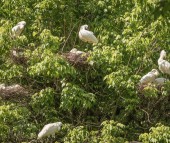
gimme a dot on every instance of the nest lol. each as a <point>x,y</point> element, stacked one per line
<point>141,88</point>
<point>18,57</point>
<point>13,91</point>
<point>77,59</point>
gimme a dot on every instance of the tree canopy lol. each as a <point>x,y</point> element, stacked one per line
<point>100,102</point>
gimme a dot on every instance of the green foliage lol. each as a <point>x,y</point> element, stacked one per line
<point>160,134</point>
<point>11,73</point>
<point>74,97</point>
<point>47,66</point>
<point>45,98</point>
<point>48,40</point>
<point>150,91</point>
<point>112,132</point>
<point>18,117</point>
<point>165,89</point>
<point>131,35</point>
<point>78,134</point>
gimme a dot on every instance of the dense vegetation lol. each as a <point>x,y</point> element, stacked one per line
<point>96,103</point>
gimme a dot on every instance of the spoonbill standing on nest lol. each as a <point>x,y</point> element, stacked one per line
<point>49,129</point>
<point>164,66</point>
<point>149,77</point>
<point>16,30</point>
<point>87,36</point>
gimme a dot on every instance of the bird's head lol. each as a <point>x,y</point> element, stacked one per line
<point>155,72</point>
<point>74,50</point>
<point>21,23</point>
<point>59,124</point>
<point>84,27</point>
<point>163,53</point>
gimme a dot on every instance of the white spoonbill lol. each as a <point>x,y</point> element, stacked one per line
<point>75,51</point>
<point>16,30</point>
<point>87,36</point>
<point>49,129</point>
<point>164,66</point>
<point>160,81</point>
<point>149,77</point>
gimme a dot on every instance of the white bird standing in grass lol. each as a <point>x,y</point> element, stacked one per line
<point>87,36</point>
<point>16,30</point>
<point>50,129</point>
<point>164,66</point>
<point>149,77</point>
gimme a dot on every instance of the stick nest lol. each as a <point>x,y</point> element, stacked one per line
<point>13,91</point>
<point>77,59</point>
<point>18,57</point>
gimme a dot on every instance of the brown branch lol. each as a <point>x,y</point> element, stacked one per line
<point>147,116</point>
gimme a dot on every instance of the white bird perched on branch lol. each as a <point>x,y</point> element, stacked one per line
<point>160,81</point>
<point>75,51</point>
<point>16,30</point>
<point>164,66</point>
<point>149,77</point>
<point>49,129</point>
<point>87,36</point>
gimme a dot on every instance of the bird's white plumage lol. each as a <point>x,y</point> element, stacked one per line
<point>160,81</point>
<point>87,36</point>
<point>49,129</point>
<point>149,77</point>
<point>75,51</point>
<point>164,66</point>
<point>21,23</point>
<point>17,30</point>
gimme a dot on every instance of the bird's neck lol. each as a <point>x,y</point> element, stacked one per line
<point>155,75</point>
<point>161,58</point>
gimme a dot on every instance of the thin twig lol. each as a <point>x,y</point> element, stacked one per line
<point>68,36</point>
<point>147,116</point>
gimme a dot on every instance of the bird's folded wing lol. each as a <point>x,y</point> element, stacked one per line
<point>146,78</point>
<point>88,35</point>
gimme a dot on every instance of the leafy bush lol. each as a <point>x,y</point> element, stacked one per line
<point>73,97</point>
<point>160,133</point>
<point>15,123</point>
<point>111,132</point>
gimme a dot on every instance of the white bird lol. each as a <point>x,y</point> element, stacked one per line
<point>87,36</point>
<point>149,77</point>
<point>164,66</point>
<point>49,129</point>
<point>16,30</point>
<point>160,81</point>
<point>75,51</point>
